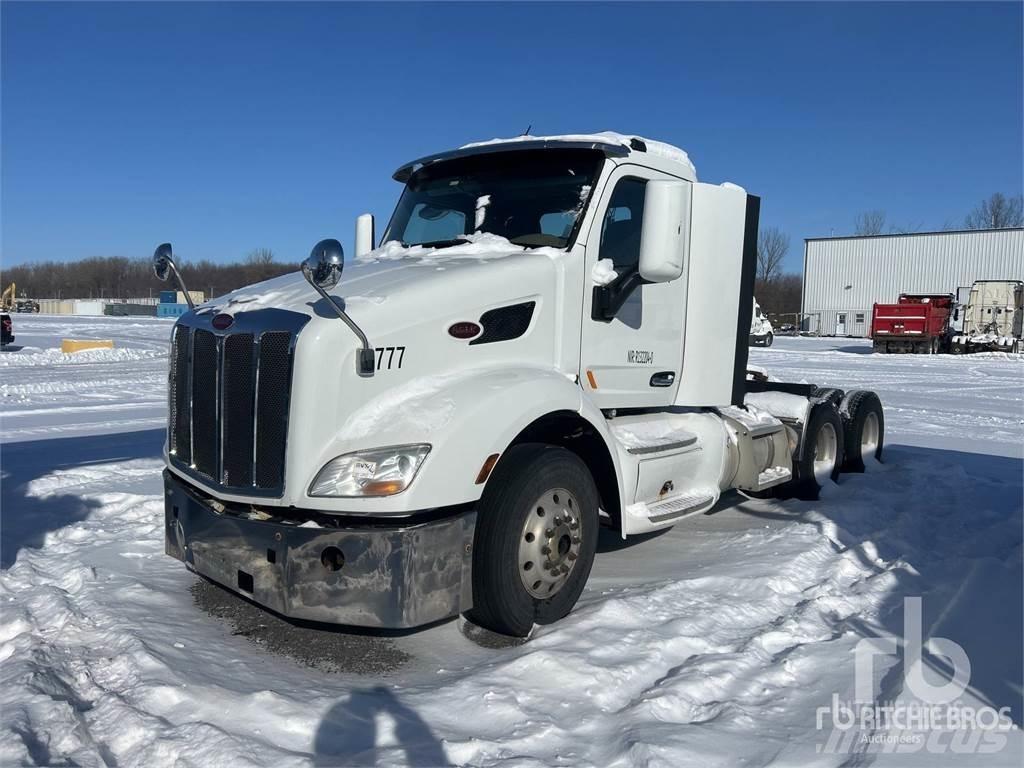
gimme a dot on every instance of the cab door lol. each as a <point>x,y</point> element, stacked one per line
<point>632,359</point>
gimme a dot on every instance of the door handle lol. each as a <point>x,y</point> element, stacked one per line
<point>663,379</point>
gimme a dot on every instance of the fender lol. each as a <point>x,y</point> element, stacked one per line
<point>466,416</point>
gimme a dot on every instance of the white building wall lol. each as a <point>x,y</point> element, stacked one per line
<point>848,275</point>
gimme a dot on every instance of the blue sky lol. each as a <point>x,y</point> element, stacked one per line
<point>227,127</point>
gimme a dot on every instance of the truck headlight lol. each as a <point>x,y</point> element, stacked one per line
<point>377,472</point>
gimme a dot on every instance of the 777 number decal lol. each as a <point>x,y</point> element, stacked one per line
<point>388,355</point>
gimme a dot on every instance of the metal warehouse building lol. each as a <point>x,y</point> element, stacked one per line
<point>845,276</point>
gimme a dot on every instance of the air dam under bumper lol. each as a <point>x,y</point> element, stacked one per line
<point>394,575</point>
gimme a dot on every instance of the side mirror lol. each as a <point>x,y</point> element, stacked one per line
<point>162,259</point>
<point>365,236</point>
<point>666,232</point>
<point>324,265</point>
<point>164,267</point>
<point>322,269</point>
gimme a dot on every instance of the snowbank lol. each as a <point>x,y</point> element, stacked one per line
<point>30,356</point>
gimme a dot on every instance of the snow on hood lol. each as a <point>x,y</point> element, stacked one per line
<point>657,148</point>
<point>371,278</point>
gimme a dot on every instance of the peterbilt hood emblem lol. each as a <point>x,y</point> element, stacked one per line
<point>222,321</point>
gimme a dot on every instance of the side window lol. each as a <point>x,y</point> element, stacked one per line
<point>623,221</point>
<point>860,317</point>
<point>428,224</point>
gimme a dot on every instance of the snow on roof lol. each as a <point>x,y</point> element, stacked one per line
<point>657,148</point>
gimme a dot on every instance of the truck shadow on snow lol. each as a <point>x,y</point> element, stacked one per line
<point>26,519</point>
<point>945,526</point>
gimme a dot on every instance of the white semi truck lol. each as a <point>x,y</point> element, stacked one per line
<point>989,317</point>
<point>762,333</point>
<point>551,337</point>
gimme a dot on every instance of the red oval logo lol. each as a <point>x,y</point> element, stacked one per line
<point>222,322</point>
<point>464,330</point>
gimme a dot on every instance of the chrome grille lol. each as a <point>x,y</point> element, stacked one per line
<point>229,395</point>
<point>238,399</point>
<point>272,400</point>
<point>205,440</point>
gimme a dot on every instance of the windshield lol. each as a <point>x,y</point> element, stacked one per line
<point>533,198</point>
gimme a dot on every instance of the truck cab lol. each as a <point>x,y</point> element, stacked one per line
<point>550,336</point>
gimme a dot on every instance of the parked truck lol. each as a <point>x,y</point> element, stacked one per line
<point>552,336</point>
<point>761,332</point>
<point>916,323</point>
<point>990,319</point>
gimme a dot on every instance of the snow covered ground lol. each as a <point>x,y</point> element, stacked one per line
<point>715,643</point>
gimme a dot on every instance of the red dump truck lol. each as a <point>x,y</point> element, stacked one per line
<point>916,323</point>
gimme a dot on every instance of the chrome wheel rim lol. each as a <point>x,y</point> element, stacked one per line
<point>826,449</point>
<point>549,544</point>
<point>869,436</point>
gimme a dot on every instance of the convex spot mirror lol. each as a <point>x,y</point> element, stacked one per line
<point>666,230</point>
<point>324,265</point>
<point>163,257</point>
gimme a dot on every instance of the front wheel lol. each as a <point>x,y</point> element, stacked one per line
<point>769,339</point>
<point>535,539</point>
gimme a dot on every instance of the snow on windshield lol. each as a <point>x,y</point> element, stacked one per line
<point>480,245</point>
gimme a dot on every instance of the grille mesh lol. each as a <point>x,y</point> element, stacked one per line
<point>505,323</point>
<point>237,410</point>
<point>228,402</point>
<point>205,435</point>
<point>272,399</point>
<point>178,433</point>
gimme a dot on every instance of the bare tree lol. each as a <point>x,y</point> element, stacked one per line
<point>260,265</point>
<point>997,212</point>
<point>772,247</point>
<point>260,257</point>
<point>905,229</point>
<point>869,223</point>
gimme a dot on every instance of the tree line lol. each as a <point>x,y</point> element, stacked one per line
<point>998,211</point>
<point>118,277</point>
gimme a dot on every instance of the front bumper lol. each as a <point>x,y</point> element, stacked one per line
<point>393,574</point>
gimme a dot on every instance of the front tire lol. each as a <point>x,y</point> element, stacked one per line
<point>535,539</point>
<point>769,339</point>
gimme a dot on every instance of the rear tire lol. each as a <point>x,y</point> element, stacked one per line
<point>864,426</point>
<point>827,395</point>
<point>532,486</point>
<point>822,452</point>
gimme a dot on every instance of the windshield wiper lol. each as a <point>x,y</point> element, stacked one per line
<point>443,243</point>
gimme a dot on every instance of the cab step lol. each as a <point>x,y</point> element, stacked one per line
<point>675,507</point>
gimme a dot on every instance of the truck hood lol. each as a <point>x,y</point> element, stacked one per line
<point>399,283</point>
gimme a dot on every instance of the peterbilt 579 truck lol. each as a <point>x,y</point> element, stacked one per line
<point>552,336</point>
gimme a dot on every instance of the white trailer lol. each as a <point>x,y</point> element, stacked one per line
<point>551,336</point>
